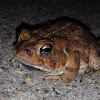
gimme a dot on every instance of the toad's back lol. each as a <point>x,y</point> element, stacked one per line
<point>65,28</point>
<point>78,35</point>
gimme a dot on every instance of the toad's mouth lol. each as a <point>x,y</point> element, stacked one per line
<point>49,71</point>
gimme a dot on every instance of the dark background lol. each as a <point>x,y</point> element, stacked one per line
<point>35,11</point>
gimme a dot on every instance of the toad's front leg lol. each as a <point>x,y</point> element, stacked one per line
<point>72,69</point>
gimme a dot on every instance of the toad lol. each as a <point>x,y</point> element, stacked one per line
<point>63,48</point>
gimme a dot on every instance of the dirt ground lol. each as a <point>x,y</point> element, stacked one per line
<point>29,84</point>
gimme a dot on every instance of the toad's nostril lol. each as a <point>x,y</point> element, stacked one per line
<point>27,50</point>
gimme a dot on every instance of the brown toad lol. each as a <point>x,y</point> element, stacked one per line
<point>63,48</point>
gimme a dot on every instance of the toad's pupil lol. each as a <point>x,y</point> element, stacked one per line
<point>46,50</point>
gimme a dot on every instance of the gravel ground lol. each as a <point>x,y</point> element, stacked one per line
<point>29,84</point>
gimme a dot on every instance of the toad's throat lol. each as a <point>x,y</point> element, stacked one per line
<point>49,71</point>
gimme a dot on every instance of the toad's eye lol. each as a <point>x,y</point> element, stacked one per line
<point>46,50</point>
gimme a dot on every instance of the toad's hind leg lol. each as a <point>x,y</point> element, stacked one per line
<point>94,60</point>
<point>73,65</point>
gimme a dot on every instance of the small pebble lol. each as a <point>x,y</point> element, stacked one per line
<point>11,64</point>
<point>98,86</point>
<point>37,90</point>
<point>30,83</point>
<point>28,78</point>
